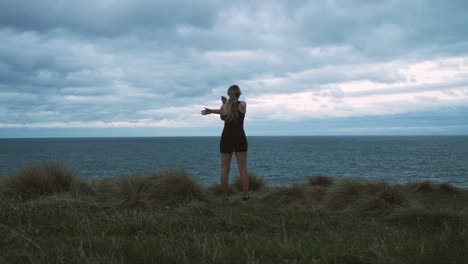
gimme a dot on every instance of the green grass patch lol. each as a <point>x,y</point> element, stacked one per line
<point>167,217</point>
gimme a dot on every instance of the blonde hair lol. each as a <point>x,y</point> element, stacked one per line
<point>231,110</point>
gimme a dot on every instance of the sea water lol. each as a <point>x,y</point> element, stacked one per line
<point>279,160</point>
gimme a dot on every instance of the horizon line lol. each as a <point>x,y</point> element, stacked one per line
<point>200,136</point>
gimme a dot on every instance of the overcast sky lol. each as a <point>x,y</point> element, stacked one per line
<point>147,68</point>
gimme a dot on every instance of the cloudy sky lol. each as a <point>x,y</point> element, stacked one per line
<point>147,68</point>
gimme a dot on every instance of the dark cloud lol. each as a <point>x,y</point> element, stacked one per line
<point>386,28</point>
<point>109,61</point>
<point>104,18</point>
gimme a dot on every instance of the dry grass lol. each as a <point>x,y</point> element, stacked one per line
<point>381,202</point>
<point>194,208</point>
<point>320,180</point>
<point>347,195</point>
<point>256,183</point>
<point>42,179</point>
<point>166,217</point>
<point>176,186</point>
<point>215,189</point>
<point>448,188</point>
<point>129,191</point>
<point>435,221</point>
<point>341,194</point>
<point>315,194</point>
<point>169,186</point>
<point>286,194</point>
<point>364,197</point>
<point>62,201</point>
<point>427,186</point>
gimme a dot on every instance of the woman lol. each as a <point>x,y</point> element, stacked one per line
<point>233,138</point>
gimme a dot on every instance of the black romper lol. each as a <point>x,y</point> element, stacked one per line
<point>233,137</point>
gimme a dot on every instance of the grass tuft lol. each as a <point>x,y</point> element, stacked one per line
<point>382,201</point>
<point>128,191</point>
<point>320,181</point>
<point>215,189</point>
<point>43,179</point>
<point>427,186</point>
<point>286,194</point>
<point>175,186</point>
<point>448,188</point>
<point>169,186</point>
<point>314,194</point>
<point>424,186</point>
<point>341,194</point>
<point>256,183</point>
<point>364,197</point>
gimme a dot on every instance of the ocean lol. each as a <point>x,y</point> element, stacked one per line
<point>279,160</point>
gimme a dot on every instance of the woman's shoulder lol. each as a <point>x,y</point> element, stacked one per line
<point>242,106</point>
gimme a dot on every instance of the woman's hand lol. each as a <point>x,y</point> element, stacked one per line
<point>206,111</point>
<point>223,99</point>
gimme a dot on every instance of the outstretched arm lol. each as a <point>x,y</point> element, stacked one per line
<point>219,111</point>
<point>208,111</point>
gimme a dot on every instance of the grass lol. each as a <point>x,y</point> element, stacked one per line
<point>256,183</point>
<point>49,215</point>
<point>320,180</point>
<point>166,187</point>
<point>42,179</point>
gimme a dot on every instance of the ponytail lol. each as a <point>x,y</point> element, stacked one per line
<point>234,93</point>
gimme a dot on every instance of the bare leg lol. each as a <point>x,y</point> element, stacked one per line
<point>244,176</point>
<point>225,166</point>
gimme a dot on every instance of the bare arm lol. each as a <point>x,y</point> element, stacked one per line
<point>242,107</point>
<point>223,101</point>
<point>219,111</point>
<point>208,111</point>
